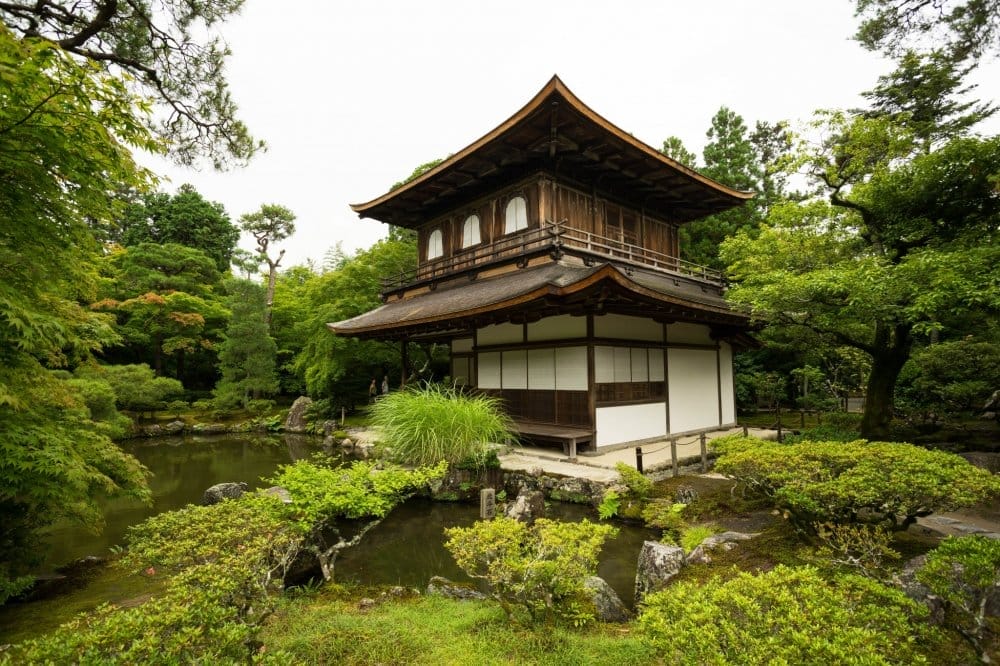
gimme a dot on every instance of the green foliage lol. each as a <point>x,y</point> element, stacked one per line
<point>611,503</point>
<point>787,615</point>
<point>903,248</point>
<point>136,387</point>
<point>185,218</point>
<point>323,495</point>
<point>99,398</point>
<point>847,482</point>
<point>730,159</point>
<point>337,367</point>
<point>331,629</point>
<point>674,148</point>
<point>169,52</point>
<point>965,572</point>
<point>540,568</point>
<point>55,464</point>
<point>961,29</point>
<point>247,355</point>
<point>223,563</point>
<point>864,548</point>
<point>639,486</point>
<point>667,516</point>
<point>952,376</point>
<point>427,425</point>
<point>65,129</point>
<point>691,537</point>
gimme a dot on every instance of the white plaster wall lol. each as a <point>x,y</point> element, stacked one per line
<point>656,365</point>
<point>571,368</point>
<point>488,370</point>
<point>693,388</point>
<point>728,390</point>
<point>563,327</point>
<point>461,345</point>
<point>500,334</point>
<point>689,334</point>
<point>604,365</point>
<point>628,328</point>
<point>623,364</point>
<point>541,369</point>
<point>514,374</point>
<point>640,365</point>
<point>628,423</point>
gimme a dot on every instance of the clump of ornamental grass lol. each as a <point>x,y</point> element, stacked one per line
<point>425,425</point>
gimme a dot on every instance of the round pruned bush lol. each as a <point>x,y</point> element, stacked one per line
<point>859,481</point>
<point>789,615</point>
<point>423,426</point>
<point>540,568</point>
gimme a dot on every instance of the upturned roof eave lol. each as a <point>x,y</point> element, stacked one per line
<point>555,86</point>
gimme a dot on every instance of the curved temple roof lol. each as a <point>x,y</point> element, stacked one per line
<point>540,289</point>
<point>558,133</point>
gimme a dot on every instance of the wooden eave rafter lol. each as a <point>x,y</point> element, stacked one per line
<point>539,124</point>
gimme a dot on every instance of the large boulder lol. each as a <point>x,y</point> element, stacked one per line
<point>277,491</point>
<point>607,602</point>
<point>725,541</point>
<point>223,491</point>
<point>527,507</point>
<point>296,419</point>
<point>658,564</point>
<point>445,588</point>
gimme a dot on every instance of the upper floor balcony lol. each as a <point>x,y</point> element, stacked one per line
<point>549,238</point>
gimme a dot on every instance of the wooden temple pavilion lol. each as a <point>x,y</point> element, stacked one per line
<point>549,263</point>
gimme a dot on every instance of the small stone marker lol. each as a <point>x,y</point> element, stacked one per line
<point>487,503</point>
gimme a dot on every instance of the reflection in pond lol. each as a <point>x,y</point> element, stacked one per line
<point>407,548</point>
<point>182,467</point>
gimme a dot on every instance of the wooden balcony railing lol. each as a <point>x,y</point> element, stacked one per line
<point>551,236</point>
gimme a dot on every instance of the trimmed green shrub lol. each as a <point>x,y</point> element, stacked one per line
<point>965,572</point>
<point>639,486</point>
<point>859,481</point>
<point>789,615</point>
<point>667,516</point>
<point>426,425</point>
<point>540,568</point>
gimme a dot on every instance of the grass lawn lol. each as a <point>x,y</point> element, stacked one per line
<point>330,628</point>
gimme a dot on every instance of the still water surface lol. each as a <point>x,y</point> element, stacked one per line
<point>407,548</point>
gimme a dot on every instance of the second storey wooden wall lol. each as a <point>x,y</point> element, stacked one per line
<point>551,200</point>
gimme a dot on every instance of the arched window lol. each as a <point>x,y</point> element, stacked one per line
<point>517,215</point>
<point>435,247</point>
<point>470,231</point>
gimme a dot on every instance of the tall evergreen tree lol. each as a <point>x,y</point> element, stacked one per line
<point>247,355</point>
<point>185,218</point>
<point>729,158</point>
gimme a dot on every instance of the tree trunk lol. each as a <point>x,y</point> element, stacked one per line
<point>892,349</point>
<point>272,277</point>
<point>158,356</point>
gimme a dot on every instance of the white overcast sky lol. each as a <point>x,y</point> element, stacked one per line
<point>351,96</point>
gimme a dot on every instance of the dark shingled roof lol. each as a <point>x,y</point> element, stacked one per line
<point>461,299</point>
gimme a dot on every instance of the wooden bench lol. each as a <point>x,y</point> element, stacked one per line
<point>568,436</point>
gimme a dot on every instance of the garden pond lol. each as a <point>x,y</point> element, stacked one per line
<point>407,548</point>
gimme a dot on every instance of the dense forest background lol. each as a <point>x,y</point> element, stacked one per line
<point>868,258</point>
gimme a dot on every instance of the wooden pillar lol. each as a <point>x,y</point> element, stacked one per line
<point>404,354</point>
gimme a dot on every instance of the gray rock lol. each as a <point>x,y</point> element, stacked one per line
<point>296,419</point>
<point>907,581</point>
<point>174,428</point>
<point>223,491</point>
<point>329,427</point>
<point>685,494</point>
<point>279,492</point>
<point>209,428</point>
<point>366,603</point>
<point>609,605</point>
<point>445,588</point>
<point>658,564</point>
<point>725,541</point>
<point>528,506</point>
